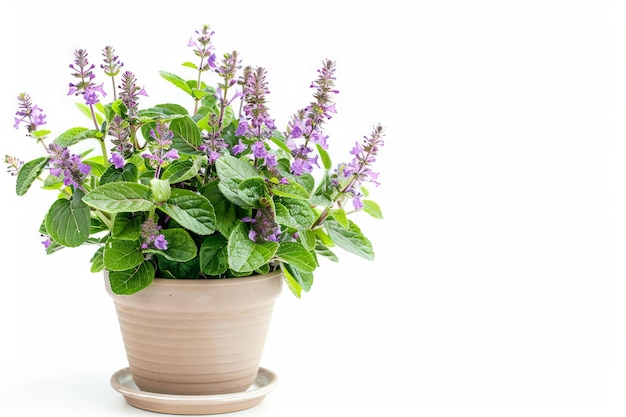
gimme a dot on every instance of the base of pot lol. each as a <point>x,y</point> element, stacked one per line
<point>122,382</point>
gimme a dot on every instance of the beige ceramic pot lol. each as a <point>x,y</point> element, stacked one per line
<point>201,336</point>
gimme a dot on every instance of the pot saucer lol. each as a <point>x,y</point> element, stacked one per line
<point>122,382</point>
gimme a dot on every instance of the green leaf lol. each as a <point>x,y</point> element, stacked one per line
<point>172,108</point>
<point>279,140</point>
<point>132,280</point>
<point>296,255</point>
<point>244,255</point>
<point>191,210</point>
<point>325,157</point>
<point>126,226</point>
<point>231,172</point>
<point>252,190</point>
<point>292,283</point>
<point>307,238</point>
<point>28,174</point>
<point>161,190</point>
<point>350,239</point>
<point>118,197</point>
<point>77,134</point>
<point>97,261</point>
<point>121,255</point>
<point>226,218</point>
<point>291,190</point>
<point>234,168</point>
<point>295,213</point>
<point>326,252</point>
<point>130,173</point>
<point>341,217</point>
<point>372,208</point>
<point>297,280</point>
<point>86,110</point>
<point>180,246</point>
<point>323,193</point>
<point>178,270</point>
<point>180,170</point>
<point>68,222</point>
<point>187,136</point>
<point>176,80</point>
<point>214,255</point>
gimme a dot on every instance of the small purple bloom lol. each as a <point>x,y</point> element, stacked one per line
<point>242,127</point>
<point>160,242</point>
<point>172,154</point>
<point>29,114</point>
<point>239,148</point>
<point>258,150</point>
<point>117,160</point>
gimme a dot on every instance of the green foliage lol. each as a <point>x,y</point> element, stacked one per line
<point>197,194</point>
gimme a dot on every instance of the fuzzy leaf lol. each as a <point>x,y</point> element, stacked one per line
<point>121,255</point>
<point>28,174</point>
<point>180,246</point>
<point>296,255</point>
<point>192,211</point>
<point>295,213</point>
<point>180,171</point>
<point>373,209</point>
<point>68,222</point>
<point>176,80</point>
<point>244,255</point>
<point>252,190</point>
<point>291,190</point>
<point>187,136</point>
<point>116,197</point>
<point>341,217</point>
<point>350,239</point>
<point>132,280</point>
<point>126,226</point>
<point>77,134</point>
<point>231,172</point>
<point>214,255</point>
<point>129,173</point>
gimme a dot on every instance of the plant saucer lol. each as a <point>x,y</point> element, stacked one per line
<point>122,382</point>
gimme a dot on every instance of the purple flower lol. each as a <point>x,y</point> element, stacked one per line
<point>258,122</point>
<point>242,127</point>
<point>160,242</point>
<point>83,71</point>
<point>117,160</point>
<point>203,48</point>
<point>91,94</point>
<point>213,147</point>
<point>238,148</point>
<point>112,64</point>
<point>151,236</point>
<point>14,164</point>
<point>28,114</point>
<point>263,227</point>
<point>69,166</point>
<point>350,176</point>
<point>160,153</point>
<point>130,92</point>
<point>259,150</point>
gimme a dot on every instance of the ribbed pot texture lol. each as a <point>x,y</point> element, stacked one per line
<point>197,336</point>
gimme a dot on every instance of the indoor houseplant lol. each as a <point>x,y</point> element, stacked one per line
<point>210,190</point>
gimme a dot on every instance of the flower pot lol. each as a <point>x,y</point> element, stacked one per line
<point>197,336</point>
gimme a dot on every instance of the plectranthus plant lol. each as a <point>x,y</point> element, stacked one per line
<point>213,188</point>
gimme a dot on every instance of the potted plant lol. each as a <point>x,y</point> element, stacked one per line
<point>203,205</point>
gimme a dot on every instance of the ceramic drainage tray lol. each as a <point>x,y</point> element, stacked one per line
<point>122,382</point>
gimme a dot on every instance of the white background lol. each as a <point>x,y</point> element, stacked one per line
<point>499,283</point>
